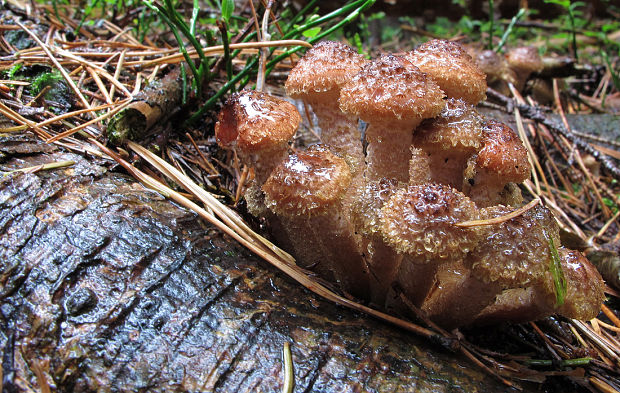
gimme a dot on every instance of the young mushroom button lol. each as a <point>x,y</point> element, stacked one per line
<point>259,126</point>
<point>449,140</point>
<point>418,221</point>
<point>524,61</point>
<point>501,161</point>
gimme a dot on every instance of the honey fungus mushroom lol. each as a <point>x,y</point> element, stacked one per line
<point>524,61</point>
<point>433,162</point>
<point>306,193</point>
<point>259,126</point>
<point>448,140</point>
<point>583,299</point>
<point>393,97</point>
<point>418,222</point>
<point>501,161</point>
<point>452,68</point>
<point>317,79</point>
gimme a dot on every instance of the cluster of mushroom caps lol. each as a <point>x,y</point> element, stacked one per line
<point>391,221</point>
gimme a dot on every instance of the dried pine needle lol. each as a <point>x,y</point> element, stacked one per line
<point>500,219</point>
<point>289,372</point>
<point>42,167</point>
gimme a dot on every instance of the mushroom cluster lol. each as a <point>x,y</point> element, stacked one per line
<point>394,220</point>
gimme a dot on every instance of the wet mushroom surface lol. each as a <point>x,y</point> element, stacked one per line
<point>432,163</point>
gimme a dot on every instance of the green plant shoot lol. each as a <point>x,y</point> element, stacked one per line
<point>555,267</point>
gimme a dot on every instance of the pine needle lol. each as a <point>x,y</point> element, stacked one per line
<point>500,219</point>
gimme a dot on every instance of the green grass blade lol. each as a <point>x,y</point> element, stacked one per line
<point>555,267</point>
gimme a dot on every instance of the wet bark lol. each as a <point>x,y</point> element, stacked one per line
<point>106,286</point>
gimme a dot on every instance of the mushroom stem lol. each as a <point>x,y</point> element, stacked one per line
<point>381,260</point>
<point>457,296</point>
<point>393,97</point>
<point>340,131</point>
<point>388,152</point>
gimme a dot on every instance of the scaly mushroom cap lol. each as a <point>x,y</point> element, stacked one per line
<point>324,68</point>
<point>449,140</point>
<point>516,252</point>
<point>418,220</point>
<point>390,87</point>
<point>452,68</point>
<point>255,122</point>
<point>307,183</point>
<point>525,59</point>
<point>458,126</point>
<point>584,284</point>
<point>503,154</point>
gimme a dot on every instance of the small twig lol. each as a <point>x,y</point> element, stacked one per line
<point>206,162</point>
<point>610,314</point>
<point>16,117</point>
<point>601,385</point>
<point>241,184</point>
<point>117,72</point>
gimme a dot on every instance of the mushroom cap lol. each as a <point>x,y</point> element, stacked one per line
<point>390,87</point>
<point>323,69</point>
<point>584,286</point>
<point>458,126</point>
<point>525,59</point>
<point>494,66</point>
<point>452,68</point>
<point>503,153</point>
<point>516,252</point>
<point>256,121</point>
<point>418,220</point>
<point>307,183</point>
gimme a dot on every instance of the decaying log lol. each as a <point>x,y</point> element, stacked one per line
<point>106,286</point>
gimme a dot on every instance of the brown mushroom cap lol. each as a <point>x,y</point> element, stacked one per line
<point>494,66</point>
<point>390,87</point>
<point>307,183</point>
<point>525,59</point>
<point>324,68</point>
<point>584,284</point>
<point>583,299</point>
<point>516,252</point>
<point>503,155</point>
<point>255,121</point>
<point>260,127</point>
<point>452,68</point>
<point>458,126</point>
<point>418,220</point>
<point>449,140</point>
